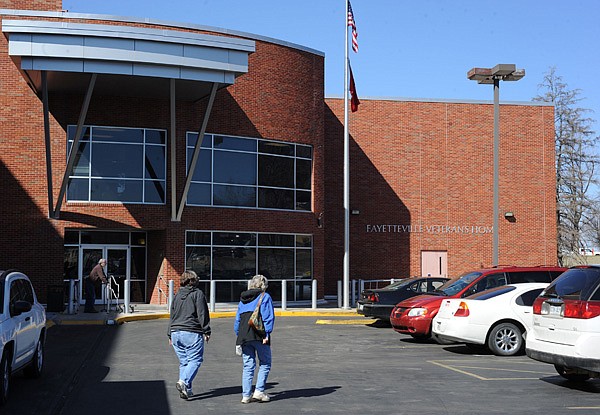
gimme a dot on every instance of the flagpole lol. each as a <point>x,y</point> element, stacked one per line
<point>346,284</point>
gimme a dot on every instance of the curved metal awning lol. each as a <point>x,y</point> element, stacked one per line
<point>65,57</point>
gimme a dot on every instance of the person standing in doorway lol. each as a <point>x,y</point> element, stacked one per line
<point>255,344</point>
<point>188,330</point>
<point>90,285</point>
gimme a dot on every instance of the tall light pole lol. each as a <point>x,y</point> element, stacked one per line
<point>500,72</point>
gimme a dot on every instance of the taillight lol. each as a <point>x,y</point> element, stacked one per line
<point>462,311</point>
<point>537,305</point>
<point>581,309</point>
<point>373,297</point>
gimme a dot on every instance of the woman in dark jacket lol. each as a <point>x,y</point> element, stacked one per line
<point>253,343</point>
<point>188,330</point>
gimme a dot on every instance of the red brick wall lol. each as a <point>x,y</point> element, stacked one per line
<point>431,163</point>
<point>46,5</point>
<point>280,98</point>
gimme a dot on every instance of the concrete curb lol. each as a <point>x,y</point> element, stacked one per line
<point>125,318</point>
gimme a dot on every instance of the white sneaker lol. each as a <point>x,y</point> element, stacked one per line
<point>246,399</point>
<point>261,396</point>
<point>183,392</point>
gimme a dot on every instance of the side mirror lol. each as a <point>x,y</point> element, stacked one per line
<point>22,307</point>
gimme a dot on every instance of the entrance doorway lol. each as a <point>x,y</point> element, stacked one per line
<point>117,268</point>
<point>434,263</point>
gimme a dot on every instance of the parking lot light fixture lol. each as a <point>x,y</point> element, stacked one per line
<point>500,72</point>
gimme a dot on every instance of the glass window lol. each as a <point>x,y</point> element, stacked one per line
<point>72,129</point>
<point>138,238</point>
<point>528,276</point>
<point>117,160</point>
<point>304,151</point>
<point>202,172</point>
<point>234,239</point>
<point>154,191</point>
<point>198,260</point>
<point>275,198</point>
<point>199,194</point>
<point>276,171</point>
<point>198,238</point>
<point>234,143</point>
<point>303,174</point>
<point>192,138</point>
<point>78,189</point>
<point>115,134</point>
<point>303,200</point>
<point>71,237</point>
<point>156,137</point>
<point>304,263</point>
<point>274,147</point>
<point>527,298</point>
<point>231,263</point>
<point>274,239</point>
<point>71,263</point>
<point>304,240</point>
<point>81,167</point>
<point>155,162</point>
<point>234,168</point>
<point>234,196</point>
<point>117,190</point>
<point>277,263</point>
<point>104,238</point>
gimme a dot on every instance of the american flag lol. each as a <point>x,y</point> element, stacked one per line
<point>352,23</point>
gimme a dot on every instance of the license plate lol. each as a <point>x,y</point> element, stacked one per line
<point>359,307</point>
<point>555,310</point>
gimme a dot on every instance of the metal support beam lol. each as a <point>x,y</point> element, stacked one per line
<point>496,236</point>
<point>48,143</point>
<point>190,173</point>
<point>75,146</point>
<point>173,149</point>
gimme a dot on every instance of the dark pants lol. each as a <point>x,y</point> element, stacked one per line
<point>90,295</point>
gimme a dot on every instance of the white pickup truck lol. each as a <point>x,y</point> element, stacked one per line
<point>22,329</point>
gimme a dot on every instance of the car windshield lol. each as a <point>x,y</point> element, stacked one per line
<point>397,284</point>
<point>575,283</point>
<point>456,285</point>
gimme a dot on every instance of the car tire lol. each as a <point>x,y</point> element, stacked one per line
<point>505,339</point>
<point>34,369</point>
<point>4,377</point>
<point>567,374</point>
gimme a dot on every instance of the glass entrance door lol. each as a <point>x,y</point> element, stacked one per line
<point>117,269</point>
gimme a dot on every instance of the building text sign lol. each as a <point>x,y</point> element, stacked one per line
<point>466,229</point>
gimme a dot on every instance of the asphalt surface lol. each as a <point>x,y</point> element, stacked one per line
<point>326,368</point>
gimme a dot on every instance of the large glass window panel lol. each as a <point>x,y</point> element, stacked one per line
<point>71,263</point>
<point>275,198</point>
<point>303,200</point>
<point>234,238</point>
<point>116,134</point>
<point>72,129</point>
<point>202,172</point>
<point>234,168</point>
<point>276,263</point>
<point>274,147</point>
<point>154,191</point>
<point>117,190</point>
<point>275,239</point>
<point>81,167</point>
<point>234,263</point>
<point>138,263</point>
<point>198,238</point>
<point>199,194</point>
<point>304,151</point>
<point>104,238</point>
<point>198,260</point>
<point>78,189</point>
<point>155,162</point>
<point>71,237</point>
<point>234,196</point>
<point>156,137</point>
<point>193,137</point>
<point>137,291</point>
<point>304,263</point>
<point>117,160</point>
<point>138,238</point>
<point>235,143</point>
<point>275,171</point>
<point>303,174</point>
<point>304,241</point>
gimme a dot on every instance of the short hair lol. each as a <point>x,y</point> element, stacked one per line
<point>101,260</point>
<point>258,282</point>
<point>189,277</point>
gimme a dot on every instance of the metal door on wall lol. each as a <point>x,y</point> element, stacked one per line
<point>117,266</point>
<point>434,263</point>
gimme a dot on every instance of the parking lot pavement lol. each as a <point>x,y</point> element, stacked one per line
<point>326,368</point>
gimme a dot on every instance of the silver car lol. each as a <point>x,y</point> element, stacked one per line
<point>22,329</point>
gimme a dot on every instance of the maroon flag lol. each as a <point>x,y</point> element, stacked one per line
<point>352,23</point>
<point>354,102</point>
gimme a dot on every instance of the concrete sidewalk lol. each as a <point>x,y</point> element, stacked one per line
<point>154,311</point>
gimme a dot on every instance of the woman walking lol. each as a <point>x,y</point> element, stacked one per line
<point>254,343</point>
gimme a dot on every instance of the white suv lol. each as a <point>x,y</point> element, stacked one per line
<point>22,329</point>
<point>566,324</point>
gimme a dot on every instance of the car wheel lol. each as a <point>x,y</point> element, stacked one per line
<point>566,373</point>
<point>505,339</point>
<point>4,377</point>
<point>34,369</point>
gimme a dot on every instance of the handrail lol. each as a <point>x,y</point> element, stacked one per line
<point>161,292</point>
<point>111,294</point>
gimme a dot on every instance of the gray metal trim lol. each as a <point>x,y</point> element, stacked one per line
<point>73,152</point>
<point>448,101</point>
<point>47,142</point>
<point>194,160</point>
<point>127,19</point>
<point>173,151</point>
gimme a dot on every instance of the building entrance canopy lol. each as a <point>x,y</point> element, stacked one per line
<point>79,58</point>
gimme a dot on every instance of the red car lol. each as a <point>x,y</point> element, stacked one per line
<point>414,315</point>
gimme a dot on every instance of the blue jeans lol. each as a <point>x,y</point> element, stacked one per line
<point>189,348</point>
<point>249,352</point>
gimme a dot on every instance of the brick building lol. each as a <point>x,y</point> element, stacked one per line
<point>262,192</point>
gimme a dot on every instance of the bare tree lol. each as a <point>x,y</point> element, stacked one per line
<point>576,164</point>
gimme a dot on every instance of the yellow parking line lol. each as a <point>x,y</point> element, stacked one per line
<point>464,372</point>
<point>583,407</point>
<point>361,322</point>
<point>506,370</point>
<point>457,370</point>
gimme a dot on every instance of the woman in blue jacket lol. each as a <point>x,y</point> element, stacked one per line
<point>253,343</point>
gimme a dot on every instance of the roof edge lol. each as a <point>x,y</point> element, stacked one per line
<point>449,101</point>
